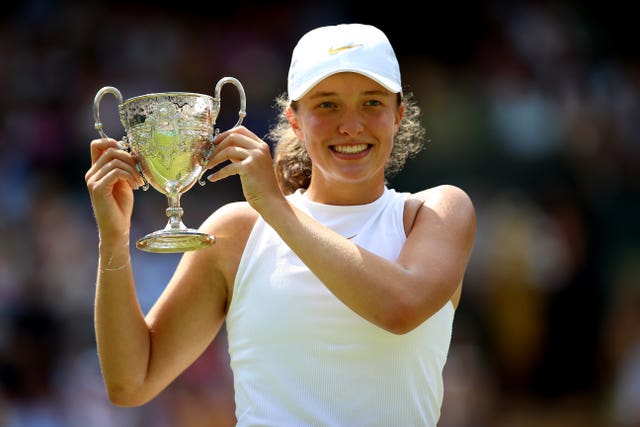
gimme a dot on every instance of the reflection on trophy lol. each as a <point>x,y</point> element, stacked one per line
<point>171,136</point>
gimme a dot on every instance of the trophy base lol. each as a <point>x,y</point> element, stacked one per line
<point>172,241</point>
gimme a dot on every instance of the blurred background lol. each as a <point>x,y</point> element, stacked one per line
<point>532,107</point>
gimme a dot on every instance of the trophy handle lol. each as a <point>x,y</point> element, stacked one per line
<point>96,106</point>
<point>243,100</point>
<point>241,115</point>
<point>124,144</point>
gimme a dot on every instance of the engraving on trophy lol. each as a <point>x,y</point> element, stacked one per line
<point>171,136</point>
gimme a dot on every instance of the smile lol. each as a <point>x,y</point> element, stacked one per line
<point>350,149</point>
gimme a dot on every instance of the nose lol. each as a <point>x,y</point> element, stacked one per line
<point>350,123</point>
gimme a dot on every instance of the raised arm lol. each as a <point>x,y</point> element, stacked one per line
<point>395,295</point>
<point>138,357</point>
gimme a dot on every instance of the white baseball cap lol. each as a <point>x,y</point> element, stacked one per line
<point>356,48</point>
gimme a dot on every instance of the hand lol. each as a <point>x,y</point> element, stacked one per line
<point>250,157</point>
<point>110,181</point>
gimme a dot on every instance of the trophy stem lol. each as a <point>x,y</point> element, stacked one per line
<point>175,212</point>
<point>175,237</point>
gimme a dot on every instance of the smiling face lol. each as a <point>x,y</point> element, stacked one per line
<point>347,123</point>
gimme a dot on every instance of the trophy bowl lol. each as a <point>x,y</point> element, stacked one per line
<point>171,136</point>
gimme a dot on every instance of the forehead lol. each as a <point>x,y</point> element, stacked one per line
<point>348,81</point>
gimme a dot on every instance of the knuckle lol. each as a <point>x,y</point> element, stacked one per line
<point>263,148</point>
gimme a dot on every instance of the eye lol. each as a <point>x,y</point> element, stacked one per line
<point>326,104</point>
<point>372,103</point>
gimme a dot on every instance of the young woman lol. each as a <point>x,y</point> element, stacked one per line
<point>338,293</point>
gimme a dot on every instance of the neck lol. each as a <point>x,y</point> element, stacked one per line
<point>358,193</point>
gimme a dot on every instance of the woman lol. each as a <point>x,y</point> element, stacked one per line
<point>338,292</point>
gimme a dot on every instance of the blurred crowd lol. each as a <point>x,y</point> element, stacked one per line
<point>533,107</point>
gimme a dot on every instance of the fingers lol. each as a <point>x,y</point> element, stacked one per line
<point>99,146</point>
<point>247,154</point>
<point>110,164</point>
<point>240,130</point>
<point>235,154</point>
<point>106,173</point>
<point>232,153</point>
<point>237,145</point>
<point>227,171</point>
<point>239,136</point>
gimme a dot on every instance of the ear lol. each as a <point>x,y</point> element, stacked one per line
<point>398,118</point>
<point>294,122</point>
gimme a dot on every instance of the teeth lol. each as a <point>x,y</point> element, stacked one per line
<point>350,149</point>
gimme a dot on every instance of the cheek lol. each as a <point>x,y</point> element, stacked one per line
<point>314,127</point>
<point>385,124</point>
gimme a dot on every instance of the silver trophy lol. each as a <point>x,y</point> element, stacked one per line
<point>171,136</point>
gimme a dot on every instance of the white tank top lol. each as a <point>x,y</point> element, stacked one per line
<point>300,357</point>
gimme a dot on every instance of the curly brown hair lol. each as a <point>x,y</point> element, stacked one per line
<point>292,163</point>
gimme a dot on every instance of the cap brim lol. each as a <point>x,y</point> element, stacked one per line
<point>388,84</point>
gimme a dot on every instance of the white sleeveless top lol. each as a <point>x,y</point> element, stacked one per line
<point>300,357</point>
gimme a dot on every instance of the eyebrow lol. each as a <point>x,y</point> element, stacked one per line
<point>321,94</point>
<point>366,93</point>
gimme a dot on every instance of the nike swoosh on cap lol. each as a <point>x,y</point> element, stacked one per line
<point>334,50</point>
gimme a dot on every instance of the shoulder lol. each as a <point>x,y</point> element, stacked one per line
<point>444,196</point>
<point>235,216</point>
<point>231,225</point>
<point>447,204</point>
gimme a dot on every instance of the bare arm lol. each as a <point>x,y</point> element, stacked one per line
<point>121,332</point>
<point>139,357</point>
<point>395,295</point>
